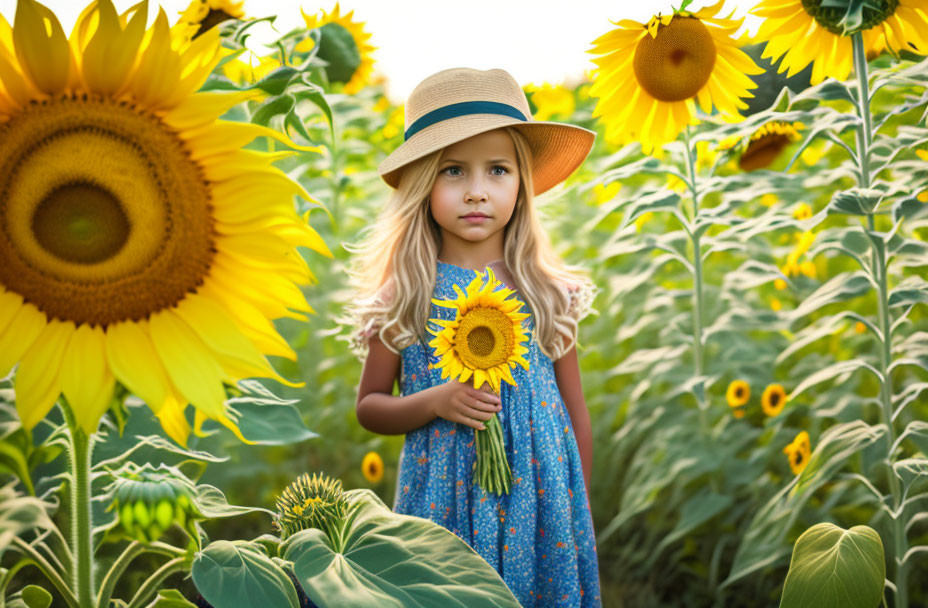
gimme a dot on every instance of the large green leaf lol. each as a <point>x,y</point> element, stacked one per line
<point>239,575</point>
<point>393,560</point>
<point>834,567</point>
<point>170,598</point>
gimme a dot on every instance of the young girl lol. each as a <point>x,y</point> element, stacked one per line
<point>465,179</point>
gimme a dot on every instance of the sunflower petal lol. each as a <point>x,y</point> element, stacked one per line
<point>37,378</point>
<point>86,379</point>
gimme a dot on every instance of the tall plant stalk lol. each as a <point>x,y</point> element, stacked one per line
<point>81,450</point>
<point>697,274</point>
<point>880,270</point>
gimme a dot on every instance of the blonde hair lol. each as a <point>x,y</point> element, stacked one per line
<point>393,271</point>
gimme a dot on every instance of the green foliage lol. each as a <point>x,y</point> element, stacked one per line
<point>833,567</point>
<point>390,559</point>
<point>241,575</point>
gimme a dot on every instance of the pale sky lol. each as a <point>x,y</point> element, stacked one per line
<point>536,41</point>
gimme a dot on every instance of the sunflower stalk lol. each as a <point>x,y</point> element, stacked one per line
<point>880,270</point>
<point>81,450</point>
<point>491,468</point>
<point>697,275</point>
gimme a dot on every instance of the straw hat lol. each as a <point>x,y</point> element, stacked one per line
<point>458,103</point>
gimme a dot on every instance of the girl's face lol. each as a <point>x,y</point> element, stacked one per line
<point>476,188</point>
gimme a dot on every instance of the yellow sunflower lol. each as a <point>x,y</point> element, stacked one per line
<point>649,75</point>
<point>767,143</point>
<point>202,15</point>
<point>803,211</point>
<point>485,337</point>
<point>773,399</point>
<point>799,452</point>
<point>344,44</point>
<point>738,393</point>
<point>804,32</point>
<point>140,243</point>
<point>372,467</point>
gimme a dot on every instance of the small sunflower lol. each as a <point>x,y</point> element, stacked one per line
<point>141,244</point>
<point>344,45</point>
<point>649,75</point>
<point>859,327</point>
<point>799,452</point>
<point>773,399</point>
<point>776,305</point>
<point>315,501</point>
<point>738,393</point>
<point>767,143</point>
<point>805,31</point>
<point>202,15</point>
<point>738,412</point>
<point>803,211</point>
<point>372,467</point>
<point>485,337</point>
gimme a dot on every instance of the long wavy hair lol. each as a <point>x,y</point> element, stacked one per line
<point>393,270</point>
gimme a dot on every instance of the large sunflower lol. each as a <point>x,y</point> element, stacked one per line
<point>485,337</point>
<point>344,46</point>
<point>803,32</point>
<point>649,75</point>
<point>140,243</point>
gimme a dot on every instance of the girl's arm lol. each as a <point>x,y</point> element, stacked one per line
<point>378,410</point>
<point>567,372</point>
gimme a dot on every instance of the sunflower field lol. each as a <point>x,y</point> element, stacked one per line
<point>177,395</point>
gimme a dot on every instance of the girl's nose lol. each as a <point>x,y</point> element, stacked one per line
<point>475,192</point>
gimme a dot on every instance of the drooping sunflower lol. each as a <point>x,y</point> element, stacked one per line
<point>738,393</point>
<point>773,399</point>
<point>140,243</point>
<point>804,32</point>
<point>485,337</point>
<point>650,76</point>
<point>344,45</point>
<point>372,467</point>
<point>203,15</point>
<point>767,143</point>
<point>799,452</point>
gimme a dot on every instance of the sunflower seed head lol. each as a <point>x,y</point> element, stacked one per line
<point>315,501</point>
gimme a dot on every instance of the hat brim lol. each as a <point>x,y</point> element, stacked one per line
<point>557,148</point>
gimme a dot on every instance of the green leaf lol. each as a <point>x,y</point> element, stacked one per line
<point>832,371</point>
<point>844,286</point>
<point>36,597</point>
<point>393,560</point>
<point>834,567</point>
<point>278,424</point>
<point>239,575</point>
<point>170,598</point>
<point>661,200</point>
<point>856,201</point>
<point>19,514</point>
<point>913,289</point>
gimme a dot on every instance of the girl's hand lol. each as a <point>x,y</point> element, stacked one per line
<point>461,402</point>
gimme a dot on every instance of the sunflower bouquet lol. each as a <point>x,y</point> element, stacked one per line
<point>484,340</point>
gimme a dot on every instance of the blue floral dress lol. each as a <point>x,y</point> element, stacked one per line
<point>540,536</point>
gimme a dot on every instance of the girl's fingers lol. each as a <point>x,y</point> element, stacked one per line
<point>483,406</point>
<point>487,397</point>
<point>477,413</point>
<point>463,419</point>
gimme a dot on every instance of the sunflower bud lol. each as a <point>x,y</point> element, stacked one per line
<point>311,502</point>
<point>844,21</point>
<point>148,501</point>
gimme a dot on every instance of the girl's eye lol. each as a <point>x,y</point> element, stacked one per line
<point>505,170</point>
<point>450,168</point>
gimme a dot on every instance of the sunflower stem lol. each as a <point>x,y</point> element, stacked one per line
<point>697,278</point>
<point>880,271</point>
<point>81,513</point>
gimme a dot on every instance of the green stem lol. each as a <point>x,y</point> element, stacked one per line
<point>81,513</point>
<point>880,271</point>
<point>697,276</point>
<point>153,583</point>
<point>38,560</point>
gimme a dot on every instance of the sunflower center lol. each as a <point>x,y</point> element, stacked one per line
<point>213,18</point>
<point>676,63</point>
<point>774,399</point>
<point>832,18</point>
<point>488,339</point>
<point>761,152</point>
<point>797,457</point>
<point>104,217</point>
<point>81,223</point>
<point>739,392</point>
<point>338,47</point>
